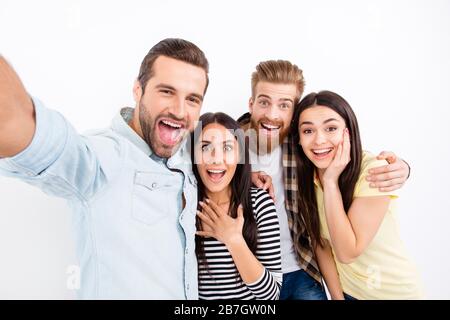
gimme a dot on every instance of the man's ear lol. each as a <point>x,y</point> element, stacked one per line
<point>250,105</point>
<point>137,91</point>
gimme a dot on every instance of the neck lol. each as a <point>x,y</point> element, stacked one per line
<point>220,197</point>
<point>135,124</point>
<point>255,145</point>
<point>319,173</point>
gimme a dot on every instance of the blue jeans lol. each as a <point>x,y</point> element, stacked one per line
<point>299,285</point>
<point>349,297</point>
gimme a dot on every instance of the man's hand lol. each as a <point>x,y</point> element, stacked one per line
<point>263,181</point>
<point>389,177</point>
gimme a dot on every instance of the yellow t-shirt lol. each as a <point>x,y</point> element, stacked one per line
<point>384,270</point>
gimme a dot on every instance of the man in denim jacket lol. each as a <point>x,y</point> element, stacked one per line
<point>130,186</point>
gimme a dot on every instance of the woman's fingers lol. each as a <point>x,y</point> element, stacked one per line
<point>208,210</point>
<point>205,219</point>
<point>346,147</point>
<point>338,155</point>
<point>205,234</point>
<point>214,207</point>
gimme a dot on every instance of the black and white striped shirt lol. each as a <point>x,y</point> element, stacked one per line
<point>221,279</point>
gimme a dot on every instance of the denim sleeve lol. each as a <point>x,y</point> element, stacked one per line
<point>58,160</point>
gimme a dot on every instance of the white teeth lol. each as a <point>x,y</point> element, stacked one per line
<point>216,171</point>
<point>173,125</point>
<point>268,126</point>
<point>322,151</point>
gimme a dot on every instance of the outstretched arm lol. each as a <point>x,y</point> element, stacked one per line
<point>38,145</point>
<point>17,118</point>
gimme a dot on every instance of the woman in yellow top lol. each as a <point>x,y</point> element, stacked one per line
<point>352,227</point>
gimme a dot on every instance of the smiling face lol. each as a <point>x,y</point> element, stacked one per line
<point>170,105</point>
<point>216,157</point>
<point>271,109</point>
<point>321,130</point>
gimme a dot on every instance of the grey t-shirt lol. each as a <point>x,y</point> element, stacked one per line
<point>272,164</point>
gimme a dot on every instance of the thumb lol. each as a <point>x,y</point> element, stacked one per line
<point>259,183</point>
<point>388,156</point>
<point>256,179</point>
<point>382,155</point>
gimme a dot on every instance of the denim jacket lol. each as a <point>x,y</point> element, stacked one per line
<point>134,239</point>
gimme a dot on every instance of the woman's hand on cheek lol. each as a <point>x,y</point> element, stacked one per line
<point>340,160</point>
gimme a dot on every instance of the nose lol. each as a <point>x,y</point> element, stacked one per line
<point>273,113</point>
<point>178,108</point>
<point>216,156</point>
<point>319,138</point>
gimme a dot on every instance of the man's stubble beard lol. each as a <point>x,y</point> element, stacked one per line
<point>148,127</point>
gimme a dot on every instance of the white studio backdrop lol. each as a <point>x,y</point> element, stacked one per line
<point>389,59</point>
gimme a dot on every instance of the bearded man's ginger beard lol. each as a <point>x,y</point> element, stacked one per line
<point>260,143</point>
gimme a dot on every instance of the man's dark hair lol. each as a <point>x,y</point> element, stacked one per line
<point>178,49</point>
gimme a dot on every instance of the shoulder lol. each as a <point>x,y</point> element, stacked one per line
<point>109,148</point>
<point>263,205</point>
<point>362,187</point>
<point>370,161</point>
<point>105,141</point>
<point>259,194</point>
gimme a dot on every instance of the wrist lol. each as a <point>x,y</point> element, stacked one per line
<point>234,242</point>
<point>330,183</point>
<point>337,296</point>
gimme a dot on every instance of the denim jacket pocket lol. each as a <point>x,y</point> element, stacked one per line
<point>151,193</point>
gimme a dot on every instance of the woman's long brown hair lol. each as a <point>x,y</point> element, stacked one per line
<point>306,169</point>
<point>240,183</point>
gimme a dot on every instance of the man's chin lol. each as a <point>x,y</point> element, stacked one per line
<point>166,152</point>
<point>265,147</point>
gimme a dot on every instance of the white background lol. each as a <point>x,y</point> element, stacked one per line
<point>389,59</point>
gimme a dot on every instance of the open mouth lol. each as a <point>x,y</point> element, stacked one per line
<point>216,174</point>
<point>269,130</point>
<point>321,153</point>
<point>270,127</point>
<point>170,131</point>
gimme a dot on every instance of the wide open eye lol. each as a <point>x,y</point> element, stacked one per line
<point>206,147</point>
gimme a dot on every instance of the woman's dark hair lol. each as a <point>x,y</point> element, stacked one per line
<point>306,169</point>
<point>240,183</point>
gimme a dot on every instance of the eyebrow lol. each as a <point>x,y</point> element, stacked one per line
<point>226,141</point>
<point>287,99</point>
<point>166,86</point>
<point>326,121</point>
<point>266,96</point>
<point>263,96</point>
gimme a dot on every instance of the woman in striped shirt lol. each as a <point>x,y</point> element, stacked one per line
<point>238,237</point>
